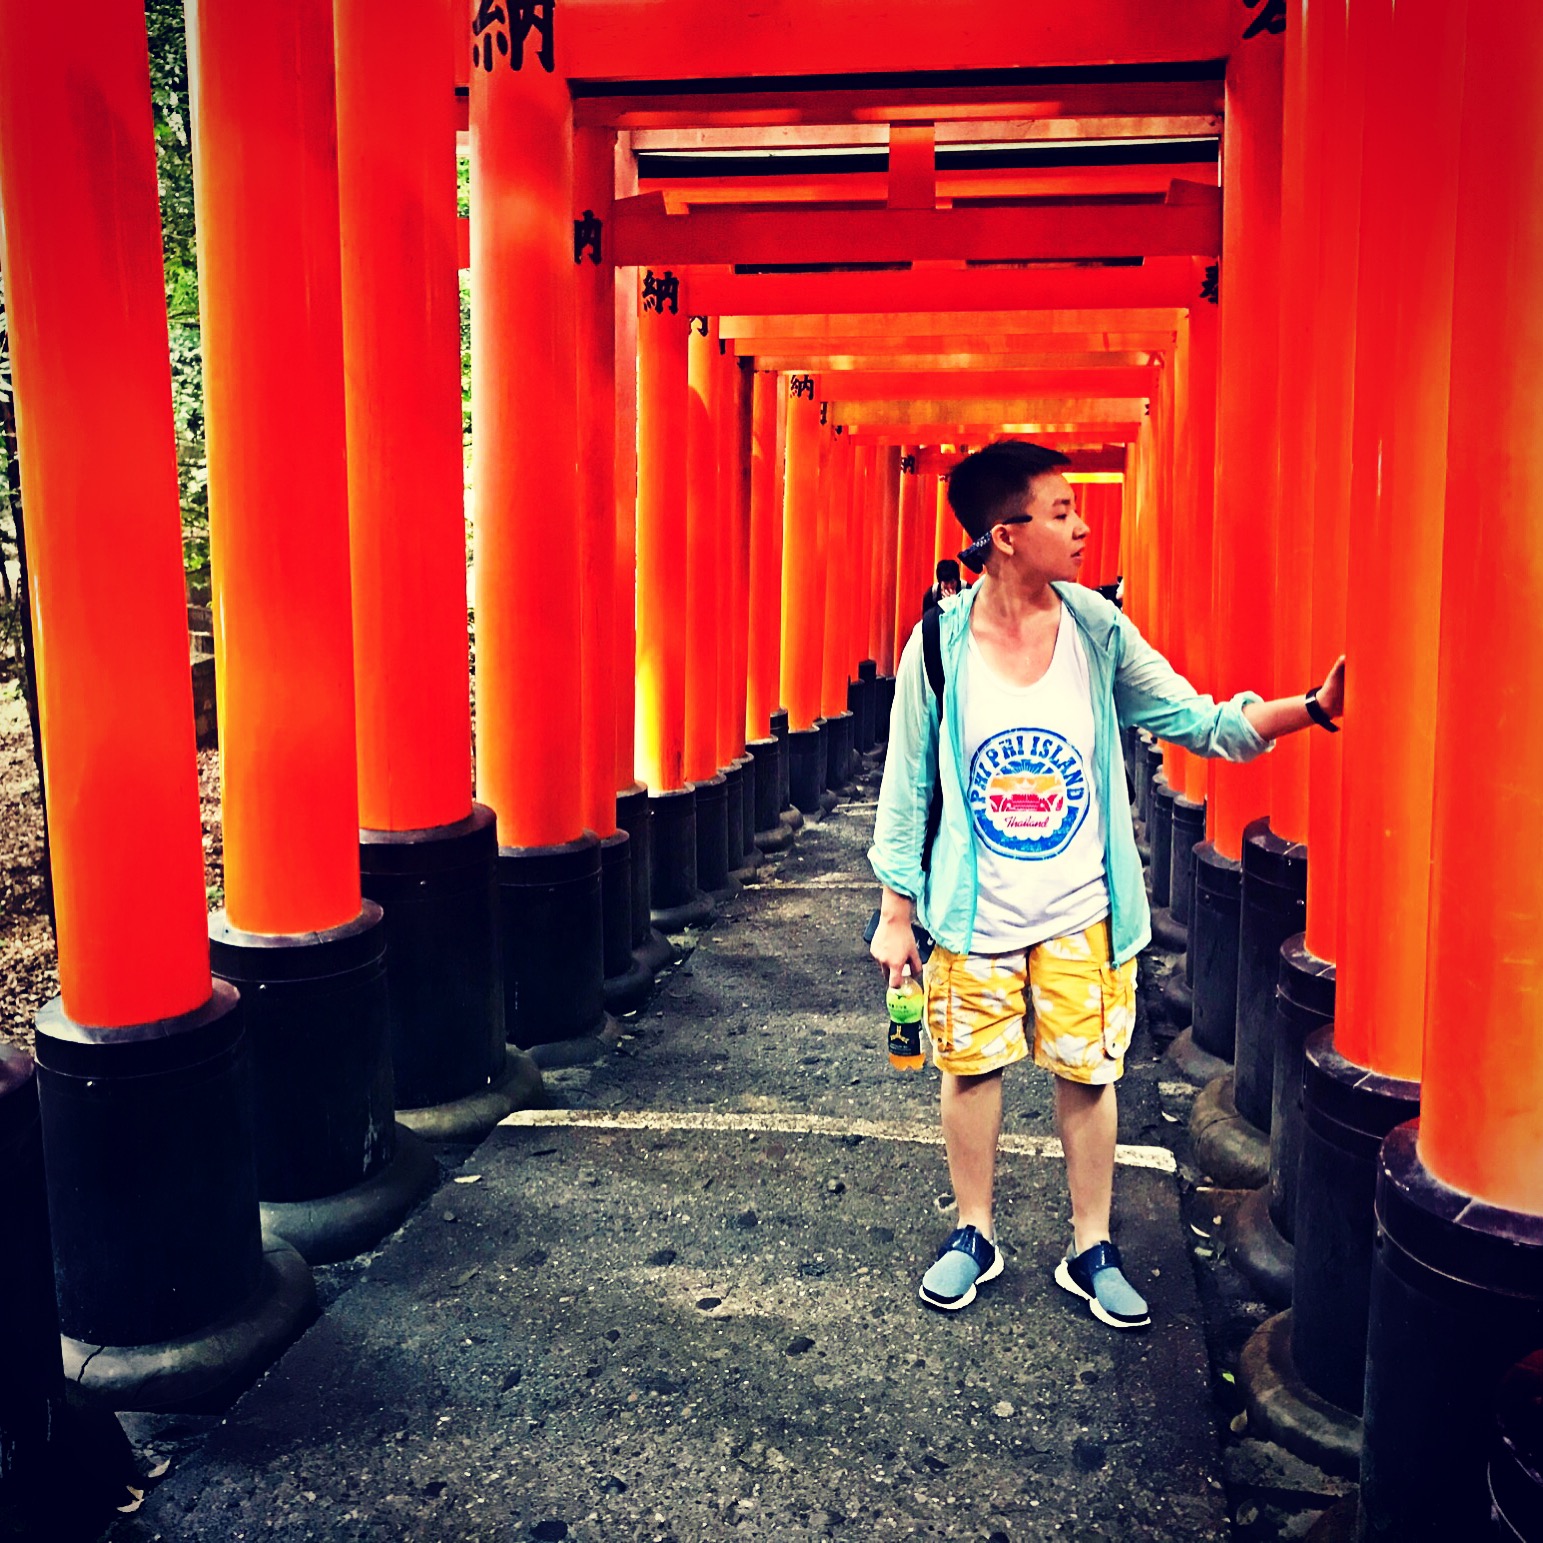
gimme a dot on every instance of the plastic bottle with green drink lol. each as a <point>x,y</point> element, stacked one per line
<point>906,1003</point>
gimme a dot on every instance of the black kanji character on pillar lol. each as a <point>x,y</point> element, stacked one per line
<point>496,31</point>
<point>698,325</point>
<point>527,14</point>
<point>802,385</point>
<point>489,35</point>
<point>661,291</point>
<point>1272,18</point>
<point>824,408</point>
<point>1211,289</point>
<point>586,237</point>
<point>908,463</point>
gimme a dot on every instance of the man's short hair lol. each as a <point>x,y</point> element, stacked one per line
<point>947,571</point>
<point>987,486</point>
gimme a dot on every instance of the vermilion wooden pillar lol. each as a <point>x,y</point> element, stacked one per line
<point>426,855</point>
<point>611,805</point>
<point>706,642</point>
<point>765,576</point>
<point>882,625</point>
<point>1362,1077</point>
<point>803,590</point>
<point>734,598</point>
<point>1337,171</point>
<point>661,610</point>
<point>837,667</point>
<point>142,1065</point>
<point>1460,1197</point>
<point>1302,131</point>
<point>265,168</point>
<point>524,463</point>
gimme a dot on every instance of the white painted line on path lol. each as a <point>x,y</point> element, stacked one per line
<point>1158,1158</point>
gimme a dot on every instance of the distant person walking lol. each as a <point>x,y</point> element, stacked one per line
<point>1032,887</point>
<point>946,583</point>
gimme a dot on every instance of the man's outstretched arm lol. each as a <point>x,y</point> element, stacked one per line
<point>1287,714</point>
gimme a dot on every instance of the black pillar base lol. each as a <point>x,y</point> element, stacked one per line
<point>1179,1004</point>
<point>627,980</point>
<point>741,867</point>
<point>1188,831</point>
<point>551,925</point>
<point>1213,948</point>
<point>867,705</point>
<point>1260,1253</point>
<point>771,835</point>
<point>779,732</point>
<point>1516,1457</point>
<point>166,1296</point>
<point>634,814</point>
<point>1192,1063</point>
<point>1160,839</point>
<point>1154,764</point>
<point>32,1390</point>
<point>1140,768</point>
<point>517,1086</point>
<point>838,758</point>
<point>883,703</point>
<point>202,1373</point>
<point>1456,1301</point>
<point>806,748</point>
<point>750,853</point>
<point>1346,1113</point>
<point>712,839</point>
<point>1304,1003</point>
<point>1283,1409</point>
<point>1167,934</point>
<point>444,992</point>
<point>677,901</point>
<point>1272,907</point>
<point>1226,1146</point>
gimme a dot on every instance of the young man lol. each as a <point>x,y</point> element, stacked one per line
<point>946,583</point>
<point>1034,892</point>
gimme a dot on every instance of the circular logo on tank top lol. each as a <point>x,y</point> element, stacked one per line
<point>1028,793</point>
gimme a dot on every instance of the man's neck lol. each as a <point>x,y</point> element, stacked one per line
<point>1013,602</point>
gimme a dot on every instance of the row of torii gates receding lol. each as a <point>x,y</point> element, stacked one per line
<point>1296,439</point>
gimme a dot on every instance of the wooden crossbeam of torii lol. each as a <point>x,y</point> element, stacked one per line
<point>657,41</point>
<point>964,409</point>
<point>1161,282</point>
<point>805,360</point>
<point>1026,328</point>
<point>644,234</point>
<point>949,431</point>
<point>1101,461</point>
<point>873,187</point>
<point>867,386</point>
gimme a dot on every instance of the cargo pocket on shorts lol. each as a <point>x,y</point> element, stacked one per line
<point>1117,985</point>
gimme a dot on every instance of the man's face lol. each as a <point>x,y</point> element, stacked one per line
<point>1049,547</point>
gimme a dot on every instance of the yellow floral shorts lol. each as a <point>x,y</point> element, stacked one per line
<point>1083,1008</point>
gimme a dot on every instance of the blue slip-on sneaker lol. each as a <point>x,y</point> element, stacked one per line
<point>1096,1276</point>
<point>969,1259</point>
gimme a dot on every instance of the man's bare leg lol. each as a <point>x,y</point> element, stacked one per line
<point>1086,1120</point>
<point>972,1120</point>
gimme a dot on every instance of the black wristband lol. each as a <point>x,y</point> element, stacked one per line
<point>1317,714</point>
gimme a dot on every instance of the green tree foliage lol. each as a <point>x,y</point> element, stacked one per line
<point>166,27</point>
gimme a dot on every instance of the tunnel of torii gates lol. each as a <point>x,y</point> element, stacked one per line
<point>743,289</point>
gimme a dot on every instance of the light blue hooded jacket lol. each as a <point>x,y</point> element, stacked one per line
<point>1131,683</point>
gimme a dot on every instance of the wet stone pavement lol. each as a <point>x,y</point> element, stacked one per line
<point>680,1302</point>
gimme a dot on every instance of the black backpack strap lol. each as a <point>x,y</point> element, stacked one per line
<point>932,662</point>
<point>932,653</point>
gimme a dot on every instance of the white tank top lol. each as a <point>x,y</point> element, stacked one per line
<point>1034,810</point>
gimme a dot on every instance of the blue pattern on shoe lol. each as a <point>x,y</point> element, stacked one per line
<point>969,1259</point>
<point>1097,1275</point>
